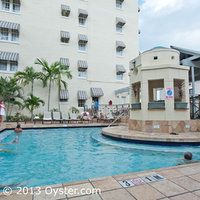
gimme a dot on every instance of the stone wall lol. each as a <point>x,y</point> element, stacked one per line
<point>152,126</point>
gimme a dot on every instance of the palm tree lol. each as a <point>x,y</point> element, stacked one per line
<point>10,93</point>
<point>54,73</point>
<point>32,103</point>
<point>28,76</point>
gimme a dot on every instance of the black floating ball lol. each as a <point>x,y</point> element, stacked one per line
<point>188,155</point>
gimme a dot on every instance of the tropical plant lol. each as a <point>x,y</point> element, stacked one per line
<point>54,73</point>
<point>28,76</point>
<point>11,94</point>
<point>32,103</point>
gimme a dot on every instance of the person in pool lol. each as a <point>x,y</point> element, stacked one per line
<point>187,159</point>
<point>17,130</point>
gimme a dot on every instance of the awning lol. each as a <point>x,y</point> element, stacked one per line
<point>10,56</point>
<point>120,45</point>
<point>9,25</point>
<point>82,95</point>
<point>82,64</point>
<point>65,34</point>
<point>64,95</point>
<point>96,92</point>
<point>120,69</point>
<point>64,61</point>
<point>120,21</point>
<point>82,38</point>
<point>82,13</point>
<point>121,1</point>
<point>66,9</point>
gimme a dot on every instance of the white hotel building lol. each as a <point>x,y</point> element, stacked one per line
<point>96,38</point>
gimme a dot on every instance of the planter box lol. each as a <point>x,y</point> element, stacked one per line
<point>156,105</point>
<point>136,106</point>
<point>181,105</point>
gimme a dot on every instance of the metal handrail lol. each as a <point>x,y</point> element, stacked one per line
<point>118,117</point>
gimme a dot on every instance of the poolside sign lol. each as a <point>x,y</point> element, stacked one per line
<point>139,181</point>
<point>169,93</point>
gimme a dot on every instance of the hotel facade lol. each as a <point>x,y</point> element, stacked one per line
<point>97,39</point>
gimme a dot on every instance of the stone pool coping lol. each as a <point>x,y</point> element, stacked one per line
<point>12,125</point>
<point>181,182</point>
<point>122,132</point>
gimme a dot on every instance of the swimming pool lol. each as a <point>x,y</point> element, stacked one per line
<point>51,156</point>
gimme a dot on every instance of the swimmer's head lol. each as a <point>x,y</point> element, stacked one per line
<point>18,126</point>
<point>188,156</point>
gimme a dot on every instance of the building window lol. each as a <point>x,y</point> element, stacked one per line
<point>15,35</point>
<point>155,57</point>
<point>3,65</point>
<point>4,34</point>
<point>119,3</point>
<point>64,36</point>
<point>83,14</point>
<point>119,28</point>
<point>120,52</point>
<point>5,5</point>
<point>120,76</point>
<point>16,5</point>
<point>13,66</point>
<point>81,103</point>
<point>82,73</point>
<point>9,34</point>
<point>8,66</point>
<point>65,10</point>
<point>82,21</point>
<point>10,5</point>
<point>64,40</point>
<point>82,46</point>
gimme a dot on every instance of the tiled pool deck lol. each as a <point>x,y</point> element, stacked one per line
<point>124,133</point>
<point>180,183</point>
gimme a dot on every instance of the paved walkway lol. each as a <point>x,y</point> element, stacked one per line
<point>125,133</point>
<point>177,183</point>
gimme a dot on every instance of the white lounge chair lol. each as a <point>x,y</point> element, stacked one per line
<point>74,118</point>
<point>57,117</point>
<point>65,117</point>
<point>47,117</point>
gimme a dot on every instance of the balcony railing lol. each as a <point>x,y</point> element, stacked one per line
<point>156,105</point>
<point>136,106</point>
<point>180,105</point>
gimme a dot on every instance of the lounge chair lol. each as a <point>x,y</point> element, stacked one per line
<point>65,117</point>
<point>109,118</point>
<point>57,117</point>
<point>86,117</point>
<point>47,117</point>
<point>73,118</point>
<point>101,117</point>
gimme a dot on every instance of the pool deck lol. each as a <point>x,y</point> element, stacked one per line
<point>12,125</point>
<point>122,132</point>
<point>179,183</point>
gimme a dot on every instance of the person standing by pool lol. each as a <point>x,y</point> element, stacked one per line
<point>2,111</point>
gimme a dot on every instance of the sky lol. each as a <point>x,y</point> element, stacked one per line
<point>169,22</point>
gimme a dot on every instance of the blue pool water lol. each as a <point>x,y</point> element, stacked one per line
<point>51,156</point>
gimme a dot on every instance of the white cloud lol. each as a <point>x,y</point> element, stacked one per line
<point>162,7</point>
<point>170,22</point>
<point>189,37</point>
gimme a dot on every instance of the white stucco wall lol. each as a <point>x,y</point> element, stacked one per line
<point>40,26</point>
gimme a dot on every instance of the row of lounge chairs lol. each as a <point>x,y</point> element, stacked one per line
<point>54,117</point>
